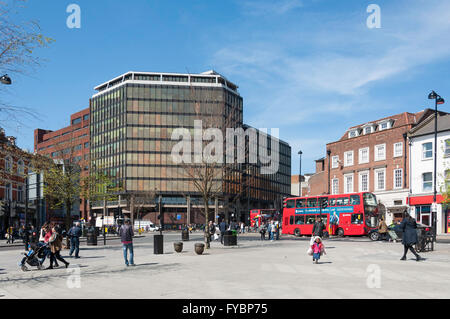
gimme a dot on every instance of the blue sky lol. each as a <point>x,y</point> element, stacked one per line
<point>311,68</point>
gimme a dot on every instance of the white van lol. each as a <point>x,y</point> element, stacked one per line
<point>144,223</point>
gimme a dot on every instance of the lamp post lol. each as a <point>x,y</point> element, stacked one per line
<point>300,174</point>
<point>5,79</point>
<point>438,100</point>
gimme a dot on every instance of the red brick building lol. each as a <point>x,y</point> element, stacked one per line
<point>371,157</point>
<point>13,171</point>
<point>71,142</point>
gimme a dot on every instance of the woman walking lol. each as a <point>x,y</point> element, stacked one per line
<point>408,227</point>
<point>55,242</point>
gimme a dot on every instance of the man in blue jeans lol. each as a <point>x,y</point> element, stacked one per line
<point>75,234</point>
<point>126,236</point>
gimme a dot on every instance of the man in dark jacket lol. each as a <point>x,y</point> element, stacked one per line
<point>318,228</point>
<point>126,236</point>
<point>75,234</point>
<point>409,238</point>
<point>222,228</point>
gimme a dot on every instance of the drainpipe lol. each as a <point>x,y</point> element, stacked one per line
<point>329,160</point>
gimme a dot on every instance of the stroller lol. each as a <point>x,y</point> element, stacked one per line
<point>32,257</point>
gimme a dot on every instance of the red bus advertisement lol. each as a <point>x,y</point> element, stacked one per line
<point>258,216</point>
<point>344,215</point>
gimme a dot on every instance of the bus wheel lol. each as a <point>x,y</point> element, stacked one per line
<point>340,232</point>
<point>297,232</point>
<point>326,235</point>
<point>374,236</point>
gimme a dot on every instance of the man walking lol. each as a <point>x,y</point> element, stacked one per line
<point>75,234</point>
<point>318,228</point>
<point>222,228</point>
<point>126,236</point>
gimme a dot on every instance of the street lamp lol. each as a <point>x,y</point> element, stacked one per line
<point>300,174</point>
<point>5,79</point>
<point>438,100</point>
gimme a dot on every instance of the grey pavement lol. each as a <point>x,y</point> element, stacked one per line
<point>352,268</point>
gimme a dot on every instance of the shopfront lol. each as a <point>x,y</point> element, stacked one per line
<point>421,210</point>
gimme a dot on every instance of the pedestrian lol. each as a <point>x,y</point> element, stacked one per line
<point>126,236</point>
<point>10,233</point>
<point>242,227</point>
<point>222,228</point>
<point>269,229</point>
<point>26,236</point>
<point>277,230</point>
<point>274,229</point>
<point>383,229</point>
<point>55,242</point>
<point>262,231</point>
<point>318,249</point>
<point>74,235</point>
<point>318,228</point>
<point>212,229</point>
<point>409,228</point>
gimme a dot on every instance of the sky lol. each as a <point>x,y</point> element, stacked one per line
<point>312,68</point>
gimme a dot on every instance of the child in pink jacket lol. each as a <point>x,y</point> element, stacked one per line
<point>317,249</point>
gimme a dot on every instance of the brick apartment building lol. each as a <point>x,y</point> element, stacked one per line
<point>13,170</point>
<point>70,142</point>
<point>370,157</point>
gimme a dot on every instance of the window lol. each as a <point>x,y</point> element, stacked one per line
<point>8,164</point>
<point>20,167</point>
<point>355,200</point>
<point>364,181</point>
<point>348,183</point>
<point>332,202</point>
<point>447,147</point>
<point>342,201</point>
<point>383,126</point>
<point>335,161</point>
<point>20,194</point>
<point>380,179</point>
<point>299,220</point>
<point>300,203</point>
<point>447,180</point>
<point>427,182</point>
<point>348,158</point>
<point>398,178</point>
<point>76,121</point>
<point>290,203</point>
<point>398,149</point>
<point>312,202</point>
<point>353,133</point>
<point>368,130</point>
<point>380,152</point>
<point>86,117</point>
<point>335,187</point>
<point>310,219</point>
<point>8,192</point>
<point>363,155</point>
<point>357,219</point>
<point>86,145</point>
<point>427,150</point>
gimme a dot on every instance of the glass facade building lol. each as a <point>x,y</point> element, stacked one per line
<point>132,120</point>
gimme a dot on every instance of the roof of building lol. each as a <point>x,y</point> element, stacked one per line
<point>427,126</point>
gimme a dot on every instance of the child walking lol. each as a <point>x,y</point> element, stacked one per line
<point>317,249</point>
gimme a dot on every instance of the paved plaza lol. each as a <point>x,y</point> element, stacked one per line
<point>352,268</point>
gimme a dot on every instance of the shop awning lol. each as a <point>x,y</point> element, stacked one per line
<point>423,200</point>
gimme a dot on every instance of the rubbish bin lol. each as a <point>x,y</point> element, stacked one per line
<point>158,244</point>
<point>185,235</point>
<point>91,237</point>
<point>229,239</point>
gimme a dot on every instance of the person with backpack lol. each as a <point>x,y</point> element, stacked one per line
<point>126,236</point>
<point>55,242</point>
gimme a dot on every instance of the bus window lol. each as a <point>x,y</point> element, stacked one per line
<point>324,219</point>
<point>291,220</point>
<point>312,202</point>
<point>290,203</point>
<point>357,219</point>
<point>299,220</point>
<point>332,202</point>
<point>300,203</point>
<point>310,219</point>
<point>323,199</point>
<point>342,201</point>
<point>354,200</point>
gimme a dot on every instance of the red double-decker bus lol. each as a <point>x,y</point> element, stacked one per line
<point>345,214</point>
<point>258,216</point>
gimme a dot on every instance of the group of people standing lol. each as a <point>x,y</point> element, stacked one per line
<point>272,228</point>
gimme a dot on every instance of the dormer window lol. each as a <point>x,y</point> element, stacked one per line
<point>385,125</point>
<point>353,133</point>
<point>367,129</point>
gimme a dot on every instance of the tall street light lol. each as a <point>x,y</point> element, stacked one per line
<point>438,100</point>
<point>300,174</point>
<point>5,79</point>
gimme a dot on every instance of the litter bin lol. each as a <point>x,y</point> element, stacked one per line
<point>185,235</point>
<point>229,239</point>
<point>91,237</point>
<point>158,244</point>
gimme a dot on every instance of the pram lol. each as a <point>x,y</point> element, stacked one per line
<point>32,257</point>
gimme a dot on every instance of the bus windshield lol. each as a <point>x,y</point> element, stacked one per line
<point>370,208</point>
<point>369,199</point>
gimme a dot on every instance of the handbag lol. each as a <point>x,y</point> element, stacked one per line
<point>310,251</point>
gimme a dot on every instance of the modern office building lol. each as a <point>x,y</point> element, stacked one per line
<point>133,117</point>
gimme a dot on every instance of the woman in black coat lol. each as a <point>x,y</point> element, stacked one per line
<point>409,229</point>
